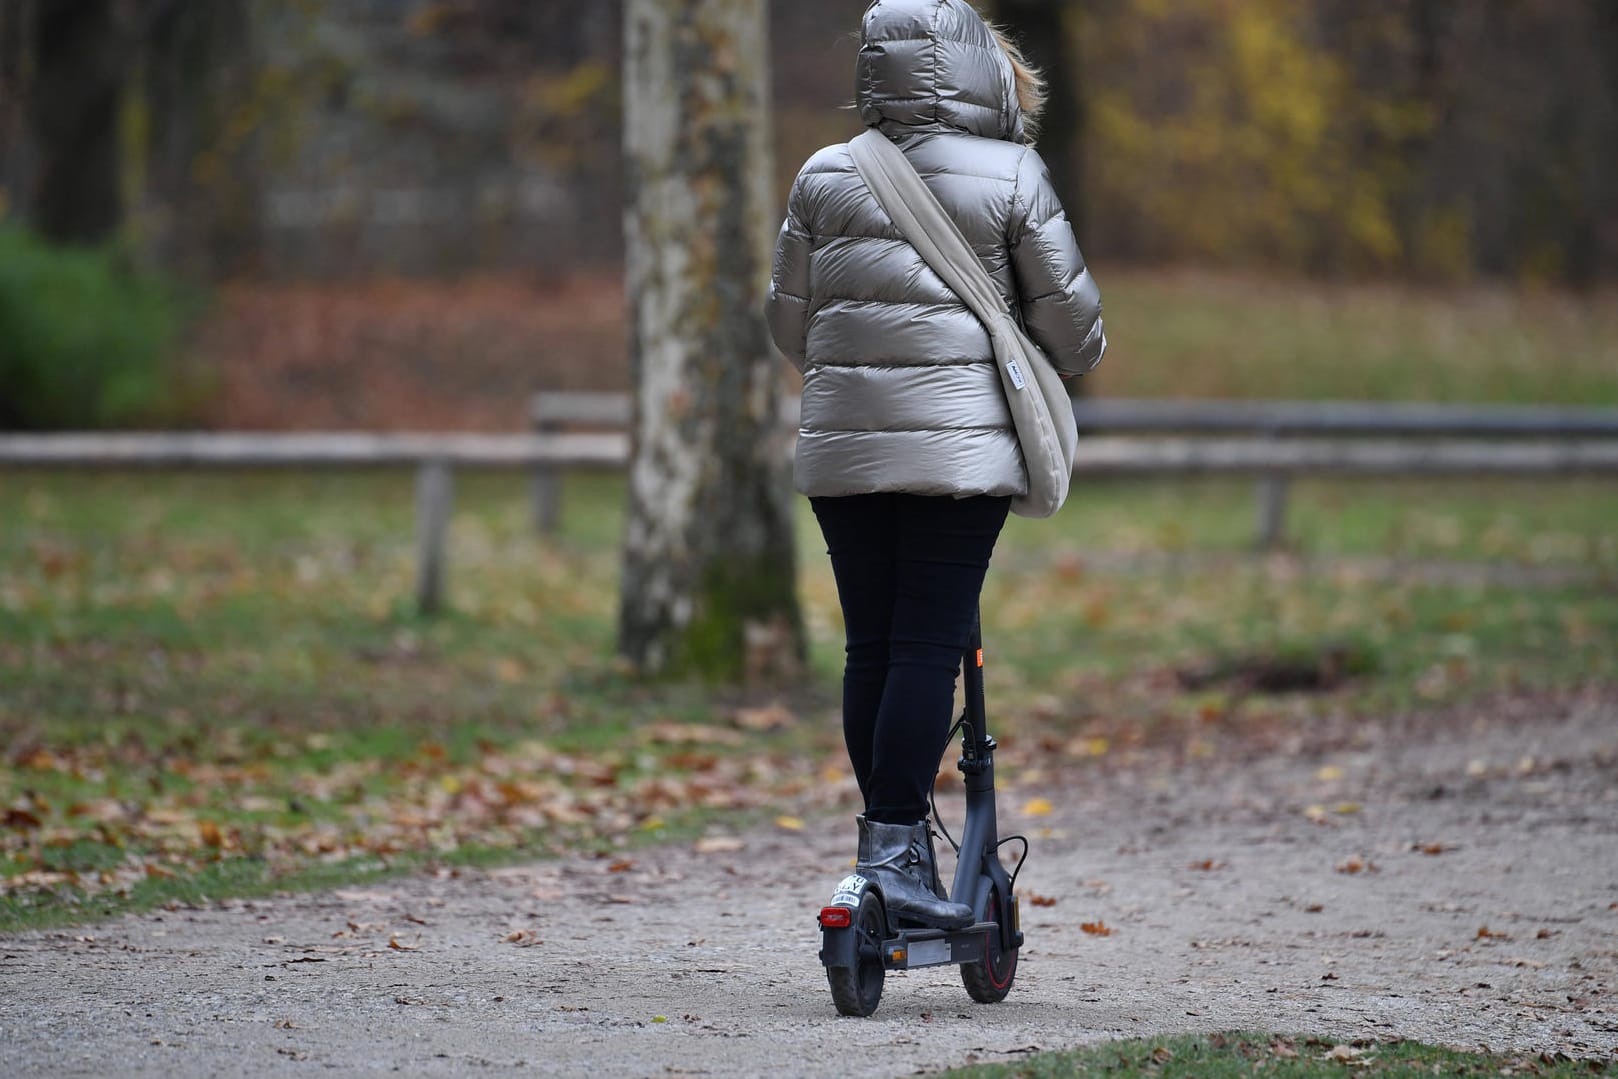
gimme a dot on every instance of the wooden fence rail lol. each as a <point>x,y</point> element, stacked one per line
<point>436,456</point>
<point>554,412</point>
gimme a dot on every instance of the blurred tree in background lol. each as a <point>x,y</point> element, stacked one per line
<point>1047,31</point>
<point>79,59</point>
<point>1413,138</point>
<point>122,102</point>
<point>86,338</point>
<point>1424,139</point>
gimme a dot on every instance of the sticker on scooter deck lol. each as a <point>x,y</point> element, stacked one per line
<point>849,890</point>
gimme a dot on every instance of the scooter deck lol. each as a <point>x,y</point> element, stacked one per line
<point>910,949</point>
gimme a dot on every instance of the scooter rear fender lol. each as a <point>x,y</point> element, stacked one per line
<point>839,947</point>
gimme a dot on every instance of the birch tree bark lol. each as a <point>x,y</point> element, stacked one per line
<point>709,567</point>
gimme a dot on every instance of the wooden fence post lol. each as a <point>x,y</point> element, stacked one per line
<point>547,483</point>
<point>1272,511</point>
<point>1271,503</point>
<point>435,497</point>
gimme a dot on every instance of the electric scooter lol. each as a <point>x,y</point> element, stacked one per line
<point>860,943</point>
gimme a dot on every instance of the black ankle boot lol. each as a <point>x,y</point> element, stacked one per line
<point>899,858</point>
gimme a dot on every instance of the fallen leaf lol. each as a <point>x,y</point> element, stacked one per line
<point>1038,807</point>
<point>525,938</point>
<point>1041,900</point>
<point>791,824</point>
<point>668,733</point>
<point>772,717</point>
<point>622,865</point>
<point>400,946</point>
<point>1162,1055</point>
<point>1484,933</point>
<point>1430,848</point>
<point>1356,864</point>
<point>1096,929</point>
<point>1329,773</point>
<point>40,760</point>
<point>717,844</point>
<point>1207,865</point>
<point>1344,1053</point>
<point>22,820</point>
<point>1088,747</point>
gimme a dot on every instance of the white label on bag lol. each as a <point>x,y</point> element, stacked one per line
<point>1016,374</point>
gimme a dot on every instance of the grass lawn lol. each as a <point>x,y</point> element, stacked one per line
<point>1201,335</point>
<point>1220,1056</point>
<point>215,684</point>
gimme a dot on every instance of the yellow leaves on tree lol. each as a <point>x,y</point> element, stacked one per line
<point>1236,106</point>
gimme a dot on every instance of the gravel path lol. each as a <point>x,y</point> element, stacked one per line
<point>1229,893</point>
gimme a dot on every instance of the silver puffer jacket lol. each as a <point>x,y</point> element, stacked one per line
<point>900,389</point>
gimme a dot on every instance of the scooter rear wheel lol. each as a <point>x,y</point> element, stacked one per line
<point>857,990</point>
<point>989,979</point>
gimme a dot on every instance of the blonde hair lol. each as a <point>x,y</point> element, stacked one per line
<point>1030,82</point>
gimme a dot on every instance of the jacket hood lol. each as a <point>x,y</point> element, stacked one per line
<point>934,65</point>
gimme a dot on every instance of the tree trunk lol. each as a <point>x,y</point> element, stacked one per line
<point>709,569</point>
<point>81,62</point>
<point>1041,28</point>
<point>199,68</point>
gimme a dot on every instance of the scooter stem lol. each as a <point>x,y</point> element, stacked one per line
<point>978,861</point>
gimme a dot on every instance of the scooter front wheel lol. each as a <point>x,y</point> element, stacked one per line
<point>989,979</point>
<point>857,990</point>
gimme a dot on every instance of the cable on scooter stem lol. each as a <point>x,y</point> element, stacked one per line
<point>932,800</point>
<point>1024,841</point>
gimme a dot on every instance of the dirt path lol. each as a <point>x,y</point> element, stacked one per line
<point>1227,892</point>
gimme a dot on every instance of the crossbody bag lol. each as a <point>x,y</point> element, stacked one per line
<point>1040,407</point>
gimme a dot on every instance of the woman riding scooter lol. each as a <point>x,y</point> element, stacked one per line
<point>907,450</point>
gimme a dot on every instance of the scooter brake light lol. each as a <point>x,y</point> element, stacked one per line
<point>836,917</point>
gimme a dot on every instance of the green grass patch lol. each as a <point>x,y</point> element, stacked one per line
<point>1229,1056</point>
<point>215,684</point>
<point>1200,335</point>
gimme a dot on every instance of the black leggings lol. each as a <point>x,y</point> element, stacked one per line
<point>909,569</point>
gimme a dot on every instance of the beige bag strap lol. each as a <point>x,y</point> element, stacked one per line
<point>1046,431</point>
<point>931,231</point>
